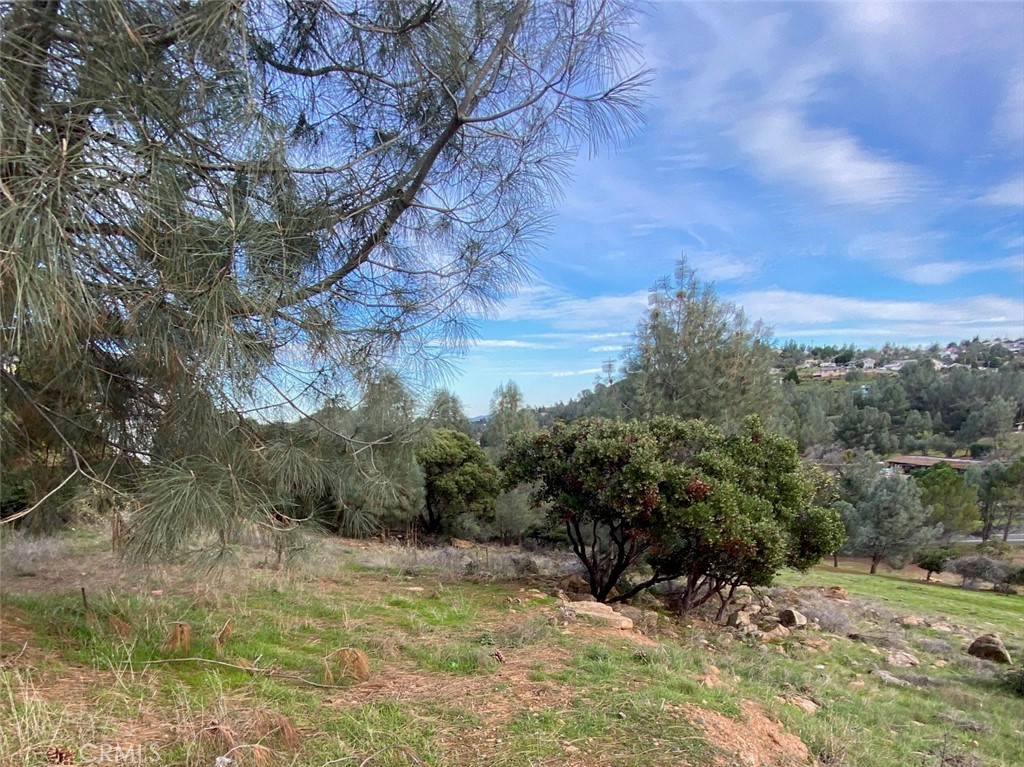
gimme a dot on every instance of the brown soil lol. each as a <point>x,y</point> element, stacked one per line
<point>758,740</point>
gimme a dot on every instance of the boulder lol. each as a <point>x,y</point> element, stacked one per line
<point>577,597</point>
<point>901,659</point>
<point>739,619</point>
<point>645,620</point>
<point>816,644</point>
<point>792,619</point>
<point>778,632</point>
<point>888,678</point>
<point>603,614</point>
<point>807,705</point>
<point>989,647</point>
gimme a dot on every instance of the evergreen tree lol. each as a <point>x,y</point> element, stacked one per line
<point>696,356</point>
<point>954,502</point>
<point>214,208</point>
<point>515,514</point>
<point>890,523</point>
<point>508,415</point>
<point>446,412</point>
<point>461,484</point>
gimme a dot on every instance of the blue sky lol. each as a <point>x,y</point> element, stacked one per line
<point>846,172</point>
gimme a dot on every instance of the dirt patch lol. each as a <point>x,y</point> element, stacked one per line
<point>757,740</point>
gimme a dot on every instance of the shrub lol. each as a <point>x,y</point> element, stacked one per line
<point>829,615</point>
<point>1014,681</point>
<point>933,560</point>
<point>976,568</point>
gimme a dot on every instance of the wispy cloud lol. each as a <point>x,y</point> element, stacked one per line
<point>819,315</point>
<point>830,162</point>
<point>571,373</point>
<point>713,266</point>
<point>618,348</point>
<point>945,272</point>
<point>494,343</point>
<point>1008,123</point>
<point>562,310</point>
<point>1009,193</point>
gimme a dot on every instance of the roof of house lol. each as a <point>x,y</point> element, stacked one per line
<point>927,461</point>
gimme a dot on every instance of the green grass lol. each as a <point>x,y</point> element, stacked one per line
<point>438,689</point>
<point>985,610</point>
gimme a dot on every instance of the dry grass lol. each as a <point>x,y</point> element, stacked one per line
<point>482,562</point>
<point>28,555</point>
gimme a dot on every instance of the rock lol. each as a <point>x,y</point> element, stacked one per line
<point>912,621</point>
<point>989,647</point>
<point>461,544</point>
<point>574,584</point>
<point>647,600</point>
<point>888,678</point>
<point>942,626</point>
<point>835,592</point>
<point>602,613</point>
<point>792,619</point>
<point>940,663</point>
<point>645,620</point>
<point>739,619</point>
<point>806,705</point>
<point>582,597</point>
<point>816,644</point>
<point>901,659</point>
<point>710,678</point>
<point>779,632</point>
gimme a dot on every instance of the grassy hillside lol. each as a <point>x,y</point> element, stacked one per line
<point>469,665</point>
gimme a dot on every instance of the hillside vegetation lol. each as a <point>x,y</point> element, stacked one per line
<point>473,660</point>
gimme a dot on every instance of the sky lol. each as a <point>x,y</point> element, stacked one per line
<point>845,172</point>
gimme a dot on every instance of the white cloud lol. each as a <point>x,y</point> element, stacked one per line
<point>795,313</point>
<point>1008,123</point>
<point>830,162</point>
<point>944,272</point>
<point>561,310</point>
<point>618,348</point>
<point>1009,193</point>
<point>722,266</point>
<point>489,343</point>
<point>570,373</point>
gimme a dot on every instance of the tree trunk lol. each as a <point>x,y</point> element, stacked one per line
<point>835,560</point>
<point>874,564</point>
<point>1010,514</point>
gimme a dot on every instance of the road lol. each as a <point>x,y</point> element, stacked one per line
<point>1014,538</point>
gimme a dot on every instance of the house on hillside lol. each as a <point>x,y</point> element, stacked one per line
<point>912,463</point>
<point>868,363</point>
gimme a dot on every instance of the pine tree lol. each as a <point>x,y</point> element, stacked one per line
<point>890,523</point>
<point>697,356</point>
<point>218,213</point>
